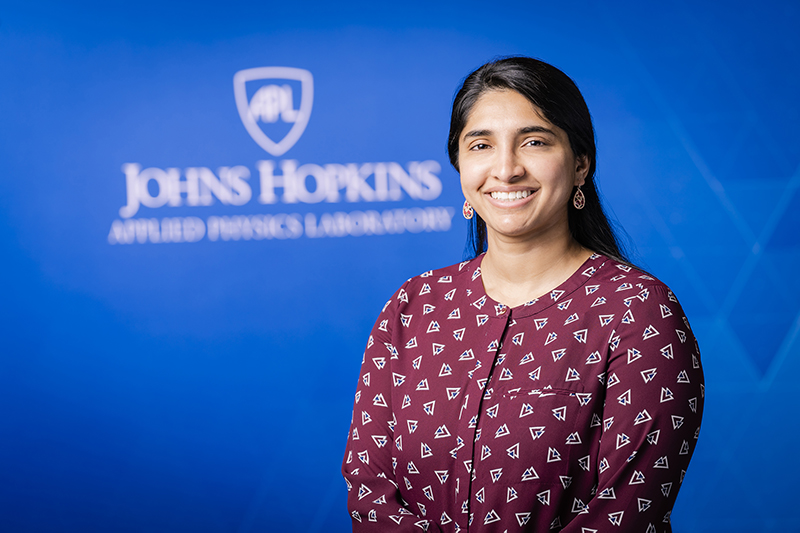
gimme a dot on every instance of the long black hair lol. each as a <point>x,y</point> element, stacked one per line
<point>561,103</point>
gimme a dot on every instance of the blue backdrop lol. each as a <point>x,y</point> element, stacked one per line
<point>187,362</point>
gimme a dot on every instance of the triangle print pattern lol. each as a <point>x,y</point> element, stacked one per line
<point>566,412</point>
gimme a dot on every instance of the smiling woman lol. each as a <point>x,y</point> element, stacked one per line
<point>557,101</point>
<point>518,173</point>
<point>546,384</point>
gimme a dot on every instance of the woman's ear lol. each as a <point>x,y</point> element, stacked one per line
<point>581,169</point>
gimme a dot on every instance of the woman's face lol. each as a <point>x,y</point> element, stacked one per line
<point>517,169</point>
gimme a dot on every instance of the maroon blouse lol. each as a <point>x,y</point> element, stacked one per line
<point>578,411</point>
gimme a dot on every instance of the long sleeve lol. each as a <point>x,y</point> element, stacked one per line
<point>374,499</point>
<point>651,418</point>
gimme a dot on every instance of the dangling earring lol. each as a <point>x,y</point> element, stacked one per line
<point>467,210</point>
<point>579,200</point>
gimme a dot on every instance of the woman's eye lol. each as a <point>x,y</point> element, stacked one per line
<point>479,146</point>
<point>534,142</point>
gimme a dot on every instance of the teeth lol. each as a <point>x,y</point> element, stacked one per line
<point>516,195</point>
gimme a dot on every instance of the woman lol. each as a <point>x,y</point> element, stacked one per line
<point>545,384</point>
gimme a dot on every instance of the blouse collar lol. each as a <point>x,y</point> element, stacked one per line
<point>560,295</point>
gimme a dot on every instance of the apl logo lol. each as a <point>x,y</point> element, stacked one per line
<point>273,103</point>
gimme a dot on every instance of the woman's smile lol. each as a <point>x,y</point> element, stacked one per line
<point>504,196</point>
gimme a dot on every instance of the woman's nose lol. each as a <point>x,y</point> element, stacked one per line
<point>507,166</point>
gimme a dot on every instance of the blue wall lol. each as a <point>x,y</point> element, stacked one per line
<point>207,386</point>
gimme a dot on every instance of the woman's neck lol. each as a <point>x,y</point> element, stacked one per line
<point>514,273</point>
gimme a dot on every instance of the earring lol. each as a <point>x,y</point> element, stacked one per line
<point>467,210</point>
<point>579,200</point>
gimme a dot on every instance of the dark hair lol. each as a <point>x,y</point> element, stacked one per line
<point>561,103</point>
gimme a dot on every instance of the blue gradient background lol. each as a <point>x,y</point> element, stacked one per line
<point>208,386</point>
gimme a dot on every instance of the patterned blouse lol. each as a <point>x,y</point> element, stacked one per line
<point>578,411</point>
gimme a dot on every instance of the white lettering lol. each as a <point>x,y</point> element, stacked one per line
<point>425,173</point>
<point>255,227</point>
<point>358,223</point>
<point>199,187</point>
<point>272,101</point>
<point>207,185</point>
<point>269,181</point>
<point>280,226</point>
<point>339,177</point>
<point>357,188</point>
<point>138,187</point>
<point>233,178</point>
<point>307,184</point>
<point>131,171</point>
<point>299,179</point>
<point>400,179</point>
<point>144,230</point>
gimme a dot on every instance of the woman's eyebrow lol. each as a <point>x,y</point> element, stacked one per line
<point>536,129</point>
<point>477,133</point>
<point>521,131</point>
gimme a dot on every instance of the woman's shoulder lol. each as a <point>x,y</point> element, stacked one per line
<point>449,274</point>
<point>626,275</point>
<point>440,280</point>
<point>628,286</point>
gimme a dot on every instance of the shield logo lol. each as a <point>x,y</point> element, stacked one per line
<point>273,103</point>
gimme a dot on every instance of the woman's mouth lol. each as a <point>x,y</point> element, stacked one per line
<point>510,196</point>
